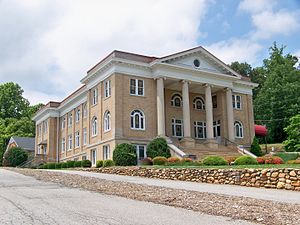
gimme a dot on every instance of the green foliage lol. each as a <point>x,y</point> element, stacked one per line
<point>58,165</point>
<point>14,157</point>
<point>70,164</point>
<point>214,161</point>
<point>108,163</point>
<point>99,163</point>
<point>293,161</point>
<point>77,164</point>
<point>51,165</point>
<point>86,163</point>
<point>287,156</point>
<point>173,160</point>
<point>255,147</point>
<point>64,165</point>
<point>125,155</point>
<point>146,161</point>
<point>245,160</point>
<point>158,147</point>
<point>160,160</point>
<point>292,144</point>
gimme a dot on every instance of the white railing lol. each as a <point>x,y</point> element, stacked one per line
<point>244,151</point>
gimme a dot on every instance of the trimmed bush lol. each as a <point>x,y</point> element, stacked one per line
<point>99,163</point>
<point>214,161</point>
<point>158,147</point>
<point>160,160</point>
<point>86,163</point>
<point>273,160</point>
<point>255,147</point>
<point>245,160</point>
<point>45,166</point>
<point>77,164</point>
<point>260,160</point>
<point>108,163</point>
<point>14,157</point>
<point>146,161</point>
<point>173,160</point>
<point>186,161</point>
<point>287,156</point>
<point>125,155</point>
<point>230,159</point>
<point>51,165</point>
<point>70,164</point>
<point>64,165</point>
<point>293,161</point>
<point>58,165</point>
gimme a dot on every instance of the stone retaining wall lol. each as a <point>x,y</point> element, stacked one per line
<point>269,178</point>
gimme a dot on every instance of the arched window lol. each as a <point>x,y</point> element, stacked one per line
<point>176,100</point>
<point>106,121</point>
<point>94,126</point>
<point>198,103</point>
<point>137,119</point>
<point>238,129</point>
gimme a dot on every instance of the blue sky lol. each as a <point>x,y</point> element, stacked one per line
<point>48,45</point>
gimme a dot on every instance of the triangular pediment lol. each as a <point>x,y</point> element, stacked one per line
<point>199,59</point>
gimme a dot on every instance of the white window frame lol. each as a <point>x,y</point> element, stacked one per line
<point>38,149</point>
<point>94,126</point>
<point>84,111</point>
<point>45,149</point>
<point>77,115</point>
<point>235,100</point>
<point>137,148</point>
<point>238,125</point>
<point>70,120</point>
<point>107,121</point>
<point>63,122</point>
<point>95,96</point>
<point>136,87</point>
<point>84,136</point>
<point>201,125</point>
<point>141,119</point>
<point>63,144</point>
<point>174,124</point>
<point>70,142</point>
<point>45,127</point>
<point>107,88</point>
<point>77,139</point>
<point>176,96</point>
<point>94,157</point>
<point>197,99</point>
<point>106,152</point>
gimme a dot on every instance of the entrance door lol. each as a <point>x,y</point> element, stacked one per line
<point>93,157</point>
<point>217,128</point>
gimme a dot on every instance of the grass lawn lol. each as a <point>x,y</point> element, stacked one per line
<point>260,166</point>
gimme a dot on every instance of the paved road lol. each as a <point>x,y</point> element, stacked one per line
<point>24,200</point>
<point>258,193</point>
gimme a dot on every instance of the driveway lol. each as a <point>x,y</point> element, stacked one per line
<point>24,200</point>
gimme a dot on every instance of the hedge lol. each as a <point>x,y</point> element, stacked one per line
<point>125,155</point>
<point>214,161</point>
<point>245,160</point>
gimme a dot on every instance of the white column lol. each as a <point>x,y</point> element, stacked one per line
<point>209,112</point>
<point>160,107</point>
<point>186,110</point>
<point>229,109</point>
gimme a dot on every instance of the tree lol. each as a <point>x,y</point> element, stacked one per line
<point>279,97</point>
<point>14,157</point>
<point>255,147</point>
<point>292,144</point>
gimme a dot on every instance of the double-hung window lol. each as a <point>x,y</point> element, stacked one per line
<point>107,88</point>
<point>77,116</point>
<point>70,119</point>
<point>95,96</point>
<point>137,87</point>
<point>63,122</point>
<point>77,139</point>
<point>236,101</point>
<point>106,152</point>
<point>84,136</point>
<point>63,145</point>
<point>70,142</point>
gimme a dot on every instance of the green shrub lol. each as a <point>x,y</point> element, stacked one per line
<point>245,160</point>
<point>108,163</point>
<point>70,164</point>
<point>45,166</point>
<point>99,163</point>
<point>214,161</point>
<point>173,161</point>
<point>160,160</point>
<point>41,166</point>
<point>64,165</point>
<point>287,156</point>
<point>14,157</point>
<point>125,155</point>
<point>146,161</point>
<point>230,159</point>
<point>51,165</point>
<point>158,147</point>
<point>58,165</point>
<point>86,163</point>
<point>255,147</point>
<point>297,161</point>
<point>77,164</point>
<point>186,162</point>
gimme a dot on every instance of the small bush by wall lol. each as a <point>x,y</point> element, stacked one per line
<point>146,161</point>
<point>58,165</point>
<point>245,160</point>
<point>50,165</point>
<point>70,164</point>
<point>158,147</point>
<point>77,164</point>
<point>86,163</point>
<point>173,160</point>
<point>99,163</point>
<point>214,161</point>
<point>255,147</point>
<point>125,155</point>
<point>64,165</point>
<point>108,163</point>
<point>160,160</point>
<point>293,161</point>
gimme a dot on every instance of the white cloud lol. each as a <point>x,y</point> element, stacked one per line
<point>256,6</point>
<point>47,46</point>
<point>241,50</point>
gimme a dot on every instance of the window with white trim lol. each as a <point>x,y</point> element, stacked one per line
<point>77,139</point>
<point>70,142</point>
<point>39,149</point>
<point>45,126</point>
<point>83,157</point>
<point>137,120</point>
<point>200,129</point>
<point>177,128</point>
<point>95,96</point>
<point>45,149</point>
<point>39,130</point>
<point>176,100</point>
<point>77,117</point>
<point>94,157</point>
<point>70,119</point>
<point>94,126</point>
<point>141,152</point>
<point>238,129</point>
<point>84,111</point>
<point>84,136</point>
<point>63,122</point>
<point>106,152</point>
<point>106,121</point>
<point>236,101</point>
<point>198,103</point>
<point>137,87</point>
<point>107,88</point>
<point>63,145</point>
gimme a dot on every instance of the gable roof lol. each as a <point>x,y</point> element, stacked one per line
<point>26,143</point>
